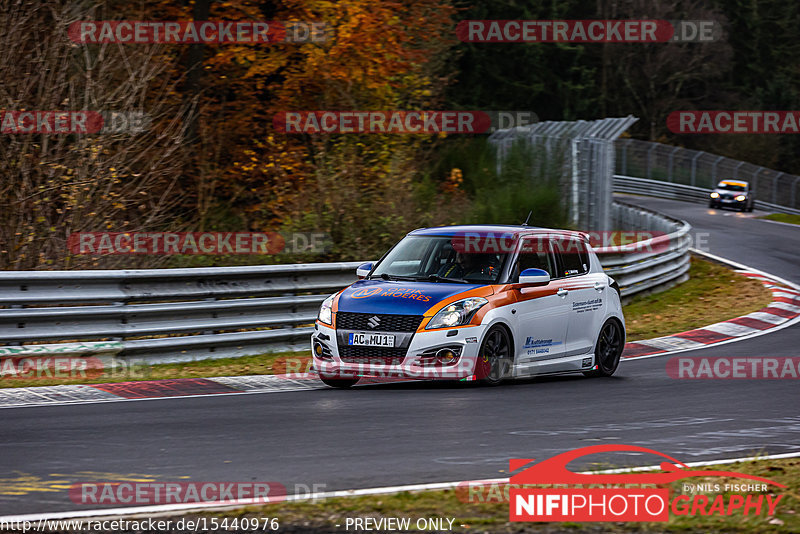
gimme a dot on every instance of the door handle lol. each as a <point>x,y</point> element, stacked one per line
<point>599,286</point>
<point>562,292</point>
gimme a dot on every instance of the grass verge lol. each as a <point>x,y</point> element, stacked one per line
<point>713,293</point>
<point>782,217</point>
<point>330,515</point>
<point>263,364</point>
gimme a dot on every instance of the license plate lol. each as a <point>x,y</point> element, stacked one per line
<point>371,340</point>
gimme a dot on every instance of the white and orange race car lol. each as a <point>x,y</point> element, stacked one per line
<point>476,303</point>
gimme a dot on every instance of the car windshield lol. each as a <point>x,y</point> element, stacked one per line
<point>730,187</point>
<point>435,259</point>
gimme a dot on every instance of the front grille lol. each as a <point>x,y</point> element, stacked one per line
<point>372,355</point>
<point>386,323</point>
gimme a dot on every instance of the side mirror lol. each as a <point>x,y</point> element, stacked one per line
<point>363,270</point>
<point>534,276</point>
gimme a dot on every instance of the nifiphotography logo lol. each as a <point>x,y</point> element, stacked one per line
<point>617,500</point>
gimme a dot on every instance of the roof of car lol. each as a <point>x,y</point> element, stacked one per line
<point>734,182</point>
<point>498,229</point>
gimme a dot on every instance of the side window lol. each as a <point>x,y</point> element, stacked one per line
<point>574,258</point>
<point>533,256</point>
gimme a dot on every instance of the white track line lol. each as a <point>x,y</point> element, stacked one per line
<point>123,399</point>
<point>737,265</point>
<point>773,222</point>
<point>174,509</point>
<point>757,333</point>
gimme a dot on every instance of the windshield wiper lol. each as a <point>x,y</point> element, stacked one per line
<point>385,276</point>
<point>437,278</point>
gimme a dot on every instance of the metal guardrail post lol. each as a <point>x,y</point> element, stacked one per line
<point>693,180</point>
<point>775,188</point>
<point>625,156</point>
<point>794,189</point>
<point>714,170</point>
<point>649,161</point>
<point>671,159</point>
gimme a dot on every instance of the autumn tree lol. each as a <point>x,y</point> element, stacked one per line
<point>56,184</point>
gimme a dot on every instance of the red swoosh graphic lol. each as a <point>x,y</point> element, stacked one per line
<point>554,470</point>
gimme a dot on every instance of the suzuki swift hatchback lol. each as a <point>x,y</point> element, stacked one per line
<point>474,302</point>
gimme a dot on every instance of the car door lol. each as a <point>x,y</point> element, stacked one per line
<point>586,298</point>
<point>541,313</point>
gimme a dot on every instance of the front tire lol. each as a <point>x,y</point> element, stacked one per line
<point>608,349</point>
<point>337,381</point>
<point>495,357</point>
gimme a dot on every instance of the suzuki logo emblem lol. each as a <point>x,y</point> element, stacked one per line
<point>374,321</point>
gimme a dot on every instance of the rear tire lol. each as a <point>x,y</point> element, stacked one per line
<point>608,349</point>
<point>338,382</point>
<point>495,357</point>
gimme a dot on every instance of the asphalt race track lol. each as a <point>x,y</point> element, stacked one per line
<point>737,236</point>
<point>415,433</point>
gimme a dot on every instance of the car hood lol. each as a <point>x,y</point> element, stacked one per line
<point>395,297</point>
<point>729,192</point>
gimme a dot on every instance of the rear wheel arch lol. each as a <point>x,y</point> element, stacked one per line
<point>620,325</point>
<point>606,362</point>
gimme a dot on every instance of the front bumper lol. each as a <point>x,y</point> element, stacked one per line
<point>466,338</point>
<point>728,201</point>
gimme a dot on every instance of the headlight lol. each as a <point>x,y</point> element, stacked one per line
<point>326,310</point>
<point>457,313</point>
<point>741,198</point>
<point>714,195</point>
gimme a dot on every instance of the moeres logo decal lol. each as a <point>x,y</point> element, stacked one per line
<point>415,294</point>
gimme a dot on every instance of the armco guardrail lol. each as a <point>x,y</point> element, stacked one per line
<point>683,174</point>
<point>172,315</point>
<point>652,264</point>
<point>655,188</point>
<point>165,315</point>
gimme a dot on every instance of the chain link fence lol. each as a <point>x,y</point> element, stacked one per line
<point>773,190</point>
<point>587,151</point>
